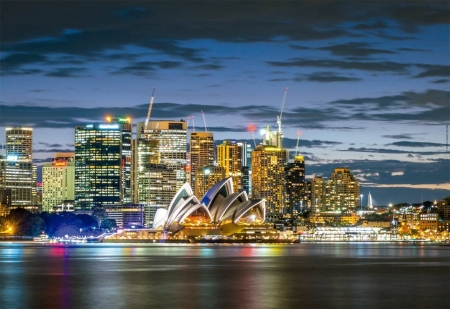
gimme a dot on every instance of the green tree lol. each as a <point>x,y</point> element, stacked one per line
<point>108,224</point>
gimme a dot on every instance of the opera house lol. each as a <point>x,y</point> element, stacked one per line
<point>220,212</point>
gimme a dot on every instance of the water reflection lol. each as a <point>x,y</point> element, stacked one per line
<point>222,276</point>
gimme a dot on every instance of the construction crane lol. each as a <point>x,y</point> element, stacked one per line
<point>298,138</point>
<point>149,109</point>
<point>204,121</point>
<point>280,133</point>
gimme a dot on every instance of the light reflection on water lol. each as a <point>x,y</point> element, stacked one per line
<point>320,275</point>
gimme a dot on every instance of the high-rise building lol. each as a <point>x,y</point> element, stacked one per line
<point>229,156</point>
<point>295,185</point>
<point>18,166</point>
<point>317,193</point>
<point>157,185</point>
<point>168,146</point>
<point>341,191</point>
<point>268,178</point>
<point>201,152</point>
<point>160,161</point>
<point>206,177</point>
<point>103,163</point>
<point>58,180</point>
<point>246,167</point>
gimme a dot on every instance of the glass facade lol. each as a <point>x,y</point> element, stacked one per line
<point>102,165</point>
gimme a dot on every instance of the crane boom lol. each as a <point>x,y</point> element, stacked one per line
<point>281,110</point>
<point>149,109</point>
<point>204,121</point>
<point>298,138</point>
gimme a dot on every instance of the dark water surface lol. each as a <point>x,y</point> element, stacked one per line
<point>306,275</point>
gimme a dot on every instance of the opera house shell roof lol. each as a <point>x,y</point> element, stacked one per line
<point>220,205</point>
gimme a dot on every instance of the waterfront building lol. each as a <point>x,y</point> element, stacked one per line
<point>103,163</point>
<point>58,180</point>
<point>246,161</point>
<point>429,221</point>
<point>18,167</point>
<point>126,216</point>
<point>206,177</point>
<point>341,191</point>
<point>201,153</point>
<point>295,185</point>
<point>229,156</point>
<point>317,193</point>
<point>268,178</point>
<point>444,208</point>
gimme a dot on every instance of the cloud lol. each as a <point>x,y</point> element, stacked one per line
<point>355,49</point>
<point>391,151</point>
<point>50,145</point>
<point>67,72</point>
<point>328,77</point>
<point>415,144</point>
<point>399,136</point>
<point>434,71</point>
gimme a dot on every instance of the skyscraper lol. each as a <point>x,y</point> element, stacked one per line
<point>58,180</point>
<point>317,193</point>
<point>246,167</point>
<point>160,161</point>
<point>206,177</point>
<point>295,185</point>
<point>103,163</point>
<point>201,152</point>
<point>18,173</point>
<point>341,191</point>
<point>229,156</point>
<point>268,181</point>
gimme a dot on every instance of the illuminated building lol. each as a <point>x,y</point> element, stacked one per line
<point>317,193</point>
<point>201,152</point>
<point>341,191</point>
<point>229,156</point>
<point>268,181</point>
<point>295,185</point>
<point>206,177</point>
<point>169,138</point>
<point>246,166</point>
<point>156,187</point>
<point>429,221</point>
<point>58,180</point>
<point>18,167</point>
<point>220,207</point>
<point>160,161</point>
<point>103,163</point>
<point>129,215</point>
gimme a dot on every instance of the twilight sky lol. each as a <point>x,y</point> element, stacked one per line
<point>368,82</point>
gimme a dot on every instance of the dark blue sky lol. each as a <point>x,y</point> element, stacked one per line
<point>368,82</point>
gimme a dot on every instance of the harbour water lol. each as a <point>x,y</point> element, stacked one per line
<point>192,276</point>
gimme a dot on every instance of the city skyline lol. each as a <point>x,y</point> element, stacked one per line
<point>368,82</point>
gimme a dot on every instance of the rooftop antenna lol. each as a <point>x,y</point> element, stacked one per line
<point>298,138</point>
<point>446,140</point>
<point>204,121</point>
<point>149,109</point>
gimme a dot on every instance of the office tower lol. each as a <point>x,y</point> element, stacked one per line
<point>341,191</point>
<point>103,163</point>
<point>206,177</point>
<point>229,156</point>
<point>157,186</point>
<point>160,164</point>
<point>169,137</point>
<point>317,193</point>
<point>246,167</point>
<point>268,181</point>
<point>295,185</point>
<point>18,167</point>
<point>58,180</point>
<point>201,152</point>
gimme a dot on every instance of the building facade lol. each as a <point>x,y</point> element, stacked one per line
<point>206,177</point>
<point>268,178</point>
<point>295,186</point>
<point>201,153</point>
<point>58,180</point>
<point>341,191</point>
<point>18,166</point>
<point>229,156</point>
<point>103,163</point>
